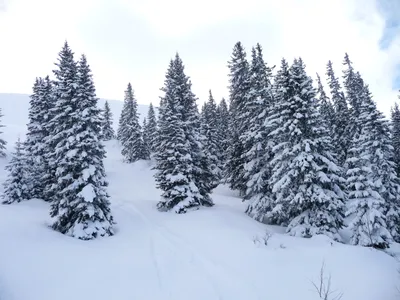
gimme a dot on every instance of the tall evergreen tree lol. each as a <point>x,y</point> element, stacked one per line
<point>254,138</point>
<point>372,183</point>
<point>209,129</point>
<point>325,107</point>
<point>341,127</point>
<point>239,79</point>
<point>107,121</point>
<point>396,137</point>
<point>179,161</point>
<point>150,131</point>
<point>223,131</point>
<point>16,187</point>
<point>80,206</point>
<point>41,104</point>
<point>261,201</point>
<point>133,148</point>
<point>305,178</point>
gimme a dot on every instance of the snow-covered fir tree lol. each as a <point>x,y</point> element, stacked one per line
<point>107,122</point>
<point>261,199</point>
<point>211,143</point>
<point>145,137</point>
<point>130,132</point>
<point>80,206</point>
<point>305,179</point>
<point>239,78</point>
<point>395,112</point>
<point>150,130</point>
<point>3,143</point>
<point>41,104</point>
<point>372,183</point>
<point>254,139</point>
<point>16,186</point>
<point>223,131</point>
<point>341,135</point>
<point>325,107</point>
<point>181,173</point>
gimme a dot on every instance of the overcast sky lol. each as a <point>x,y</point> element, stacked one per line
<point>133,40</point>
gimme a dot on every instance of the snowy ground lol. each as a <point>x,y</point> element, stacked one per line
<point>204,255</point>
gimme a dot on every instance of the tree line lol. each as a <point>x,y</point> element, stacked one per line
<point>300,158</point>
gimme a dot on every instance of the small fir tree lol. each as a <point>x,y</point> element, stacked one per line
<point>130,131</point>
<point>107,122</point>
<point>16,187</point>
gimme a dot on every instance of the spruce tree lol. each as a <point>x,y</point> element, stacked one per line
<point>191,121</point>
<point>223,132</point>
<point>16,187</point>
<point>325,107</point>
<point>145,136</point>
<point>151,129</point>
<point>41,104</point>
<point>181,167</point>
<point>305,179</point>
<point>261,201</point>
<point>107,122</point>
<point>80,206</point>
<point>3,143</point>
<point>130,130</point>
<point>396,137</point>
<point>211,147</point>
<point>341,136</point>
<point>239,79</point>
<point>254,139</point>
<point>372,183</point>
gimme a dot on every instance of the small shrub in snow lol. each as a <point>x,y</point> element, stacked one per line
<point>323,287</point>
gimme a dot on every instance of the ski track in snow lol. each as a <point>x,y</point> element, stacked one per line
<point>193,257</point>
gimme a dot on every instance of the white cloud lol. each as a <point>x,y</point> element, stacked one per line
<point>134,40</point>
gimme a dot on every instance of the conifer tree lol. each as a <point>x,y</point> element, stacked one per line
<point>145,136</point>
<point>41,104</point>
<point>223,132</point>
<point>325,107</point>
<point>130,131</point>
<point>16,185</point>
<point>107,121</point>
<point>341,127</point>
<point>305,178</point>
<point>254,139</point>
<point>396,137</point>
<point>239,79</point>
<point>151,129</point>
<point>211,143</point>
<point>181,173</point>
<point>261,201</point>
<point>191,121</point>
<point>372,183</point>
<point>80,206</point>
<point>3,143</point>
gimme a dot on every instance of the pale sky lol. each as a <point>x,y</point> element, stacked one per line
<point>133,40</point>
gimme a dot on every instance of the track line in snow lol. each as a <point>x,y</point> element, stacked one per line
<point>191,259</point>
<point>209,266</point>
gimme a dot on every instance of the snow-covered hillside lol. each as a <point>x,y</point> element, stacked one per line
<point>15,110</point>
<point>212,253</point>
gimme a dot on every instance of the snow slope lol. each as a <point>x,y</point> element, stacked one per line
<point>15,110</point>
<point>207,254</point>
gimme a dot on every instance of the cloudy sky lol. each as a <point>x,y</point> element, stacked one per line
<point>133,40</point>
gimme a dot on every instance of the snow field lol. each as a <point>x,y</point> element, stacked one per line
<point>208,254</point>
